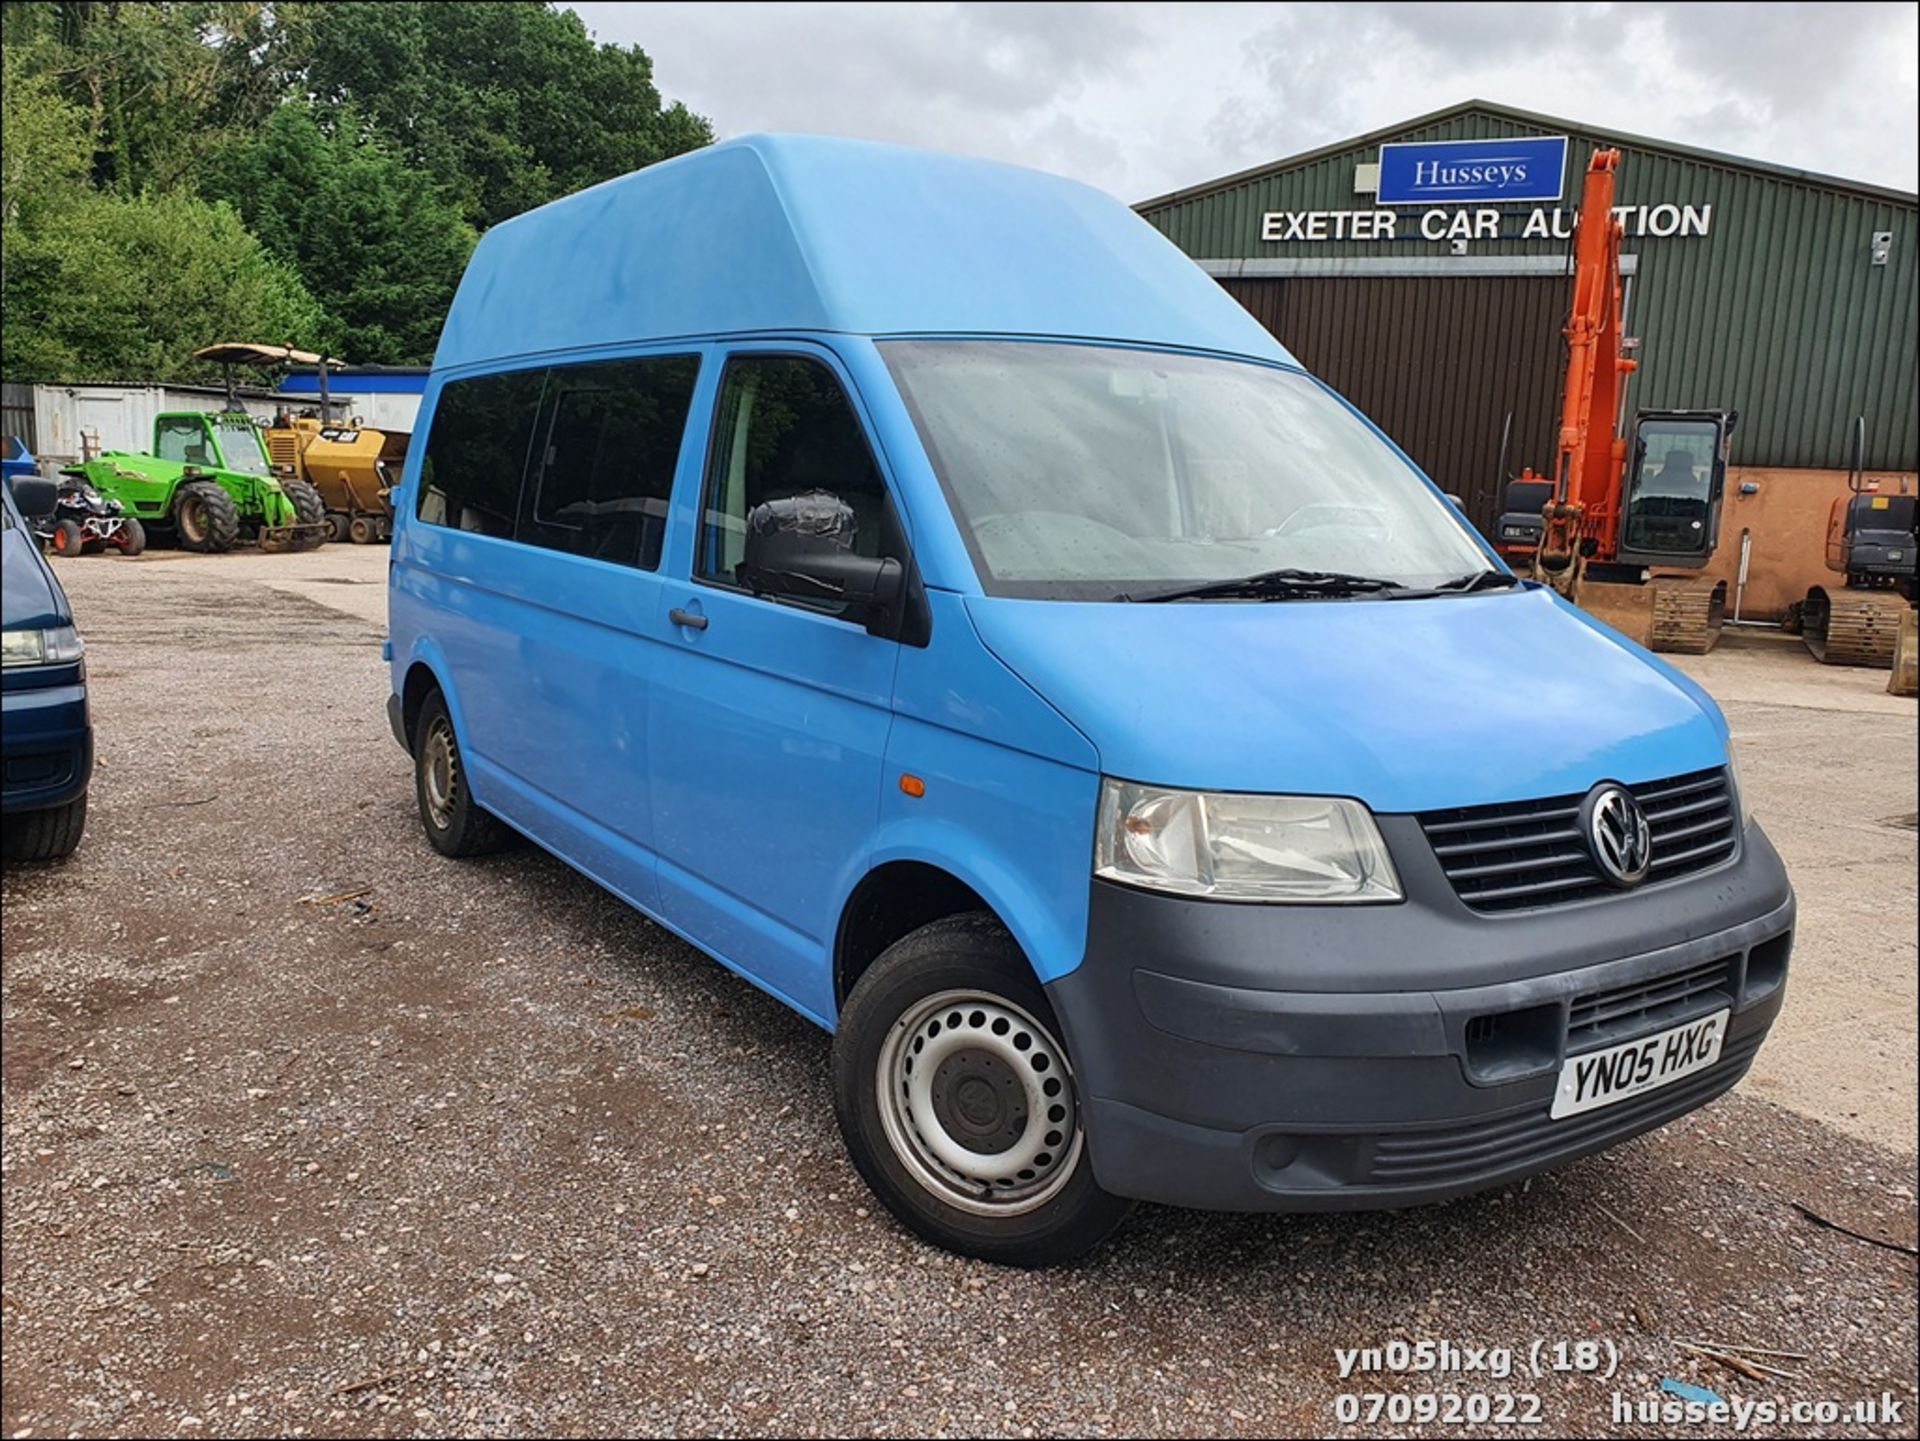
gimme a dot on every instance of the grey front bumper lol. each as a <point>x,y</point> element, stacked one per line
<point>1334,1058</point>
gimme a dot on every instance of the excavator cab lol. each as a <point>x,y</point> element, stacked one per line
<point>1675,482</point>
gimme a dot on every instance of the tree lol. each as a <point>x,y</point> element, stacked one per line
<point>511,104</point>
<point>45,145</point>
<point>129,289</point>
<point>379,249</point>
<point>163,83</point>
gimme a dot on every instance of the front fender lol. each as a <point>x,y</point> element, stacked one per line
<point>1015,828</point>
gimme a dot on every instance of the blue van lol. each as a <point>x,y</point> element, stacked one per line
<point>46,731</point>
<point>916,584</point>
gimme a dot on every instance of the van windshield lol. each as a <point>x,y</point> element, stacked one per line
<point>1082,472</point>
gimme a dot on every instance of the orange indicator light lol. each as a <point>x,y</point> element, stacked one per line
<point>913,786</point>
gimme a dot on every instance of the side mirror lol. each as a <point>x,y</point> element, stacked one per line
<point>801,546</point>
<point>36,496</point>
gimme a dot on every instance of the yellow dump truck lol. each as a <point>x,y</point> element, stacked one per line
<point>352,466</point>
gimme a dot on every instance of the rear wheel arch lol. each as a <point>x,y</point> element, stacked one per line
<point>421,682</point>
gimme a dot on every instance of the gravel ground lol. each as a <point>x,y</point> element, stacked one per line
<point>308,1130</point>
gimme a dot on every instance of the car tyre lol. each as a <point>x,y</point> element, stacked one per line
<point>984,1151</point>
<point>49,835</point>
<point>454,823</point>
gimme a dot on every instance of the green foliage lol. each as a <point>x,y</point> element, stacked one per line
<point>382,252</point>
<point>45,146</point>
<point>129,289</point>
<point>512,105</point>
<point>361,143</point>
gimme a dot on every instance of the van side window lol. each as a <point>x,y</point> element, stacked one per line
<point>602,473</point>
<point>785,427</point>
<point>476,450</point>
<point>184,439</point>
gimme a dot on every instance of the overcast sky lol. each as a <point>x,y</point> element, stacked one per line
<point>1141,99</point>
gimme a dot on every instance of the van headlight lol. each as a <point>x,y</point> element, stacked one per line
<point>1316,849</point>
<point>59,645</point>
<point>1737,776</point>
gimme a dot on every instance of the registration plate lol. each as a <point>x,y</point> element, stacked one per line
<point>1599,1078</point>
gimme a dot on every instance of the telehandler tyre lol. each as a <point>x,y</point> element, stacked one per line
<point>206,518</point>
<point>311,510</point>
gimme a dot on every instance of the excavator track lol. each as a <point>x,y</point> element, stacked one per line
<point>1852,627</point>
<point>1688,614</point>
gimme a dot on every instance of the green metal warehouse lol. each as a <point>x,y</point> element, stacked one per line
<point>1787,296</point>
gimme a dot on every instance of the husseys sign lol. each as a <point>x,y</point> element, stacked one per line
<point>1452,172</point>
<point>1461,182</point>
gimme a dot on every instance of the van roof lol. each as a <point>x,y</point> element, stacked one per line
<point>813,233</point>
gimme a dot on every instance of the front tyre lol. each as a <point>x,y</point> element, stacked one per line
<point>454,824</point>
<point>49,835</point>
<point>957,1101</point>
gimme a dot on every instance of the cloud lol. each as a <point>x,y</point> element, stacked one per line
<point>1141,99</point>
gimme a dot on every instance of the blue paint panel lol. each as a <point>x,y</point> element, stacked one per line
<point>1011,790</point>
<point>1464,172</point>
<point>357,382</point>
<point>1407,705</point>
<point>809,233</point>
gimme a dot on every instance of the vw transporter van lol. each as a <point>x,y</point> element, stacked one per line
<point>915,583</point>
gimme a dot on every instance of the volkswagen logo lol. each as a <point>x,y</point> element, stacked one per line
<point>1618,835</point>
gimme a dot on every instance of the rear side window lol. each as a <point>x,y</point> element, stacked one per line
<point>476,451</point>
<point>602,473</point>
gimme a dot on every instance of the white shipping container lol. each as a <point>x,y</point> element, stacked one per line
<point>117,417</point>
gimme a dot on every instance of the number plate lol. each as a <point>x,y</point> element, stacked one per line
<point>1599,1078</point>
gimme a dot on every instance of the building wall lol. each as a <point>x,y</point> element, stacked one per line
<point>1776,311</point>
<point>1439,365</point>
<point>1787,518</point>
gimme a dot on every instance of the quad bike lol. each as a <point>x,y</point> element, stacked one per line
<point>85,521</point>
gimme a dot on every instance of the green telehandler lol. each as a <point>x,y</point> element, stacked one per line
<point>209,482</point>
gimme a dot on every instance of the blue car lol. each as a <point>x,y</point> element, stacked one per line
<point>912,581</point>
<point>46,734</point>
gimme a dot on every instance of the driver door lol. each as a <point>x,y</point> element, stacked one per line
<point>768,718</point>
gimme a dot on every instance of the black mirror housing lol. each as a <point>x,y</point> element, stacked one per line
<point>800,547</point>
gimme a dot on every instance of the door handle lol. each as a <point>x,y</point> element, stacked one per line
<point>692,620</point>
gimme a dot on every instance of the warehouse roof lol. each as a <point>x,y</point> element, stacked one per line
<point>800,232</point>
<point>1549,123</point>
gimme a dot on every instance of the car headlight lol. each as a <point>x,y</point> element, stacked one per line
<point>58,646</point>
<point>1316,849</point>
<point>1736,774</point>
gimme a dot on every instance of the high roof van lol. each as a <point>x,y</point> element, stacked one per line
<point>912,581</point>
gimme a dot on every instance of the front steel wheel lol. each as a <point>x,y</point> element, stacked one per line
<point>978,1102</point>
<point>957,1099</point>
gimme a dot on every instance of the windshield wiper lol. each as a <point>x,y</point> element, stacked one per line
<point>1275,585</point>
<point>1479,580</point>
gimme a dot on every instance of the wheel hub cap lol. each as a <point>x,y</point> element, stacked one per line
<point>978,1103</point>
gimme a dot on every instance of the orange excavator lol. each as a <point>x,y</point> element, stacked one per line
<point>1625,520</point>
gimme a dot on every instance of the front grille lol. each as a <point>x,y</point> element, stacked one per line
<point>1534,1138</point>
<point>1604,1016</point>
<point>1531,853</point>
